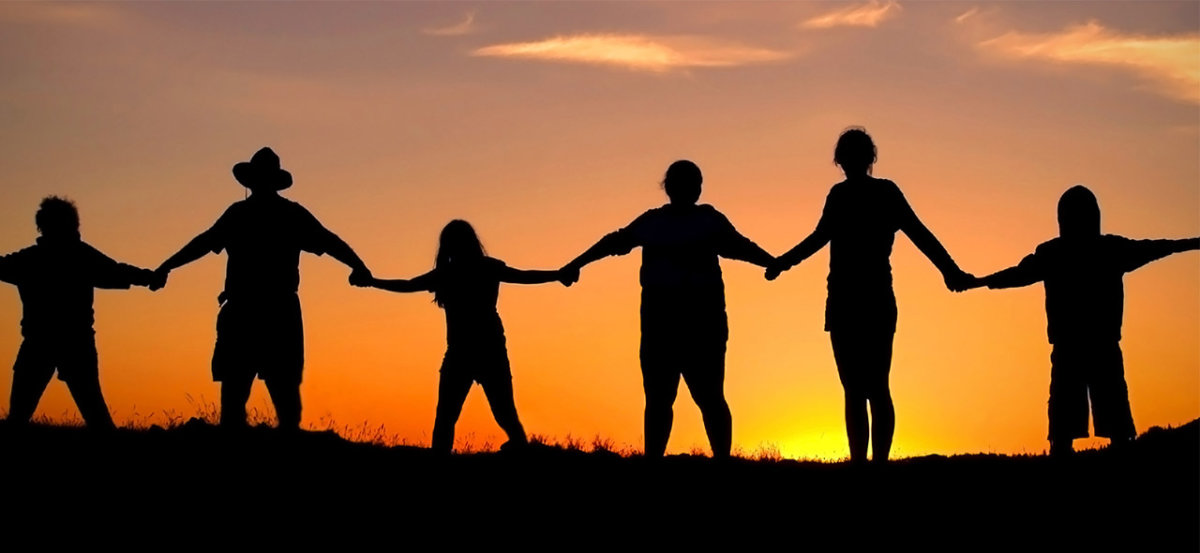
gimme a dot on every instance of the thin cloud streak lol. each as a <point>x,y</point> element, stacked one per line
<point>866,15</point>
<point>966,15</point>
<point>75,14</point>
<point>1172,62</point>
<point>465,27</point>
<point>636,52</point>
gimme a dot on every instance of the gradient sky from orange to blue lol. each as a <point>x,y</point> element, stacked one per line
<point>547,125</point>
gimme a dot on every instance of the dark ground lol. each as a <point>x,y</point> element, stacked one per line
<point>174,488</point>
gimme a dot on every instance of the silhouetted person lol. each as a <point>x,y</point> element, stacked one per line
<point>684,326</point>
<point>260,329</point>
<point>859,222</point>
<point>466,284</point>
<point>55,279</point>
<point>1082,271</point>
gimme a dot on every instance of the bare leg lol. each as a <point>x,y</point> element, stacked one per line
<point>708,391</point>
<point>85,389</point>
<point>235,392</point>
<point>847,355</point>
<point>857,426</point>
<point>286,397</point>
<point>883,412</point>
<point>661,389</point>
<point>452,392</point>
<point>883,425</point>
<point>499,392</point>
<point>27,387</point>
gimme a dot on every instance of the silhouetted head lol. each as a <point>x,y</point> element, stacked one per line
<point>262,172</point>
<point>1078,213</point>
<point>457,244</point>
<point>855,152</point>
<point>682,182</point>
<point>57,218</point>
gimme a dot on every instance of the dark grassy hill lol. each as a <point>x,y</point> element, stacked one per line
<point>197,482</point>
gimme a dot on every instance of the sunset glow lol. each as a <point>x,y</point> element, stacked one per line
<point>548,125</point>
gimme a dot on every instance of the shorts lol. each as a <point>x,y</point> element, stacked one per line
<point>665,357</point>
<point>481,361</point>
<point>260,336</point>
<point>874,313</point>
<point>74,358</point>
<point>1080,371</point>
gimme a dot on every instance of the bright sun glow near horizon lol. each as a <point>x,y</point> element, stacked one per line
<point>547,125</point>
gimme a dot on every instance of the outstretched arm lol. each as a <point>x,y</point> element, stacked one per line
<point>810,245</point>
<point>519,276</point>
<point>956,279</point>
<point>1141,252</point>
<point>1028,271</point>
<point>341,251</point>
<point>11,268</point>
<point>619,242</point>
<point>736,246</point>
<point>423,283</point>
<point>807,247</point>
<point>320,240</point>
<point>199,247</point>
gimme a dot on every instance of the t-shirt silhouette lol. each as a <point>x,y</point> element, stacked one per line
<point>860,219</point>
<point>468,291</point>
<point>1085,292</point>
<point>264,237</point>
<point>56,281</point>
<point>681,272</point>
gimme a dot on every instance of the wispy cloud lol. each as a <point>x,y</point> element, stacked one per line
<point>865,15</point>
<point>76,14</point>
<point>966,15</point>
<point>465,27</point>
<point>636,52</point>
<point>1171,62</point>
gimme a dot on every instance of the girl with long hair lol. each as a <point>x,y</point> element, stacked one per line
<point>466,284</point>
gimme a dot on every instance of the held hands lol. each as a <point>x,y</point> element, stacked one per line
<point>774,270</point>
<point>568,275</point>
<point>961,281</point>
<point>158,280</point>
<point>362,278</point>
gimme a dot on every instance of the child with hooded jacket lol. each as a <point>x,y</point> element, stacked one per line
<point>1083,270</point>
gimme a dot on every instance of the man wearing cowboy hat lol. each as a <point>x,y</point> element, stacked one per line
<point>259,328</point>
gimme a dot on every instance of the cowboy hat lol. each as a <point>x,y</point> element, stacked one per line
<point>262,171</point>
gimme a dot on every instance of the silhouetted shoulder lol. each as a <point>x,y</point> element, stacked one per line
<point>649,215</point>
<point>1049,248</point>
<point>838,188</point>
<point>1114,240</point>
<point>493,265</point>
<point>105,272</point>
<point>707,210</point>
<point>891,190</point>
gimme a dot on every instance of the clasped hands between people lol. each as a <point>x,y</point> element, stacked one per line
<point>361,277</point>
<point>957,280</point>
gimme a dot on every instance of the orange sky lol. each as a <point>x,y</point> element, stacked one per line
<point>548,125</point>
